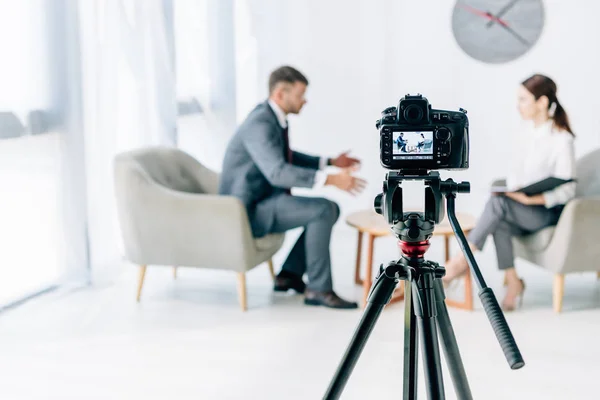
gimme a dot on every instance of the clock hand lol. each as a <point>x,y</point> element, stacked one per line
<point>494,18</point>
<point>502,12</point>
<point>516,35</point>
<point>484,14</point>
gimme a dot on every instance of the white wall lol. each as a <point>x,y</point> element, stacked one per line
<point>363,56</point>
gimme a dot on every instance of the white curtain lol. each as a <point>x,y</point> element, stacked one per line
<point>129,101</point>
<point>206,68</point>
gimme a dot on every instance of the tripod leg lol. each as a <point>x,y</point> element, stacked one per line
<point>453,359</point>
<point>411,354</point>
<point>424,304</point>
<point>380,295</point>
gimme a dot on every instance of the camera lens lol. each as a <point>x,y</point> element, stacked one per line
<point>413,113</point>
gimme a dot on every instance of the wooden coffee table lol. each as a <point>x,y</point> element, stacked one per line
<point>374,225</point>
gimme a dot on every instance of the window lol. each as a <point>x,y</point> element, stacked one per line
<point>30,223</point>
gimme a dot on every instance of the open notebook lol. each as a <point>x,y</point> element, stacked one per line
<point>499,186</point>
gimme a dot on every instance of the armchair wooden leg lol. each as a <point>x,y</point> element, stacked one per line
<point>271,269</point>
<point>242,290</point>
<point>141,276</point>
<point>557,294</point>
<point>174,272</point>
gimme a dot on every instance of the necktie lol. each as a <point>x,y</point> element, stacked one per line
<point>287,152</point>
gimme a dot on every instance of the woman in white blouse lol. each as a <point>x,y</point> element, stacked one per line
<point>546,151</point>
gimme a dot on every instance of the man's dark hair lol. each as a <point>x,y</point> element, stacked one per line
<point>285,74</point>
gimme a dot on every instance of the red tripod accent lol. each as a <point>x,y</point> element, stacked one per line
<point>414,249</point>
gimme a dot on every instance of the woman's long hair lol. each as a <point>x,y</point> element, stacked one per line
<point>540,85</point>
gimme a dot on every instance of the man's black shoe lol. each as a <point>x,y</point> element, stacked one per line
<point>327,299</point>
<point>285,281</point>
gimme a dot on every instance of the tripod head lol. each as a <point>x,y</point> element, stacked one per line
<point>415,226</point>
<point>414,229</point>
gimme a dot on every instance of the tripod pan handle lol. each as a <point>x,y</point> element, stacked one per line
<point>501,329</point>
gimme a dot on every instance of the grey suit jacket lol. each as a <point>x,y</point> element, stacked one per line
<point>255,167</point>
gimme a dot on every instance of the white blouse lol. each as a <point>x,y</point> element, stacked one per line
<point>540,153</point>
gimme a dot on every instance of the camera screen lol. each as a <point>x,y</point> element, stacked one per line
<point>413,145</point>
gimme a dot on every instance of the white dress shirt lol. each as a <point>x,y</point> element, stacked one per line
<point>320,176</point>
<point>540,153</point>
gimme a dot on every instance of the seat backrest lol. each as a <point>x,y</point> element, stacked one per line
<point>173,168</point>
<point>10,125</point>
<point>588,175</point>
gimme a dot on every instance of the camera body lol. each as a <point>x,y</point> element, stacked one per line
<point>413,136</point>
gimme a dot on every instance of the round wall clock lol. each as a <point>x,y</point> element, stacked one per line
<point>497,31</point>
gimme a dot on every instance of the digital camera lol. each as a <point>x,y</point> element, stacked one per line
<point>413,136</point>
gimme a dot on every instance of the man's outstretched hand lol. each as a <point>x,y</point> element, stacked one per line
<point>344,161</point>
<point>346,182</point>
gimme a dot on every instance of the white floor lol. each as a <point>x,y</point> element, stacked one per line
<point>187,339</point>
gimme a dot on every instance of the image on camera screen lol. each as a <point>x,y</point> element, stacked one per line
<point>413,144</point>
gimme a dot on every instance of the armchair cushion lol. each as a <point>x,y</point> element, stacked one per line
<point>267,246</point>
<point>538,241</point>
<point>269,241</point>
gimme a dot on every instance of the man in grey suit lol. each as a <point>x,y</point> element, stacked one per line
<point>260,168</point>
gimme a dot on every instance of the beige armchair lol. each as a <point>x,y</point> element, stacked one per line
<point>170,214</point>
<point>572,245</point>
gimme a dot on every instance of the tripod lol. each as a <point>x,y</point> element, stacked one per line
<point>425,309</point>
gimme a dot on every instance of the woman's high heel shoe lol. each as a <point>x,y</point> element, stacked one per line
<point>518,299</point>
